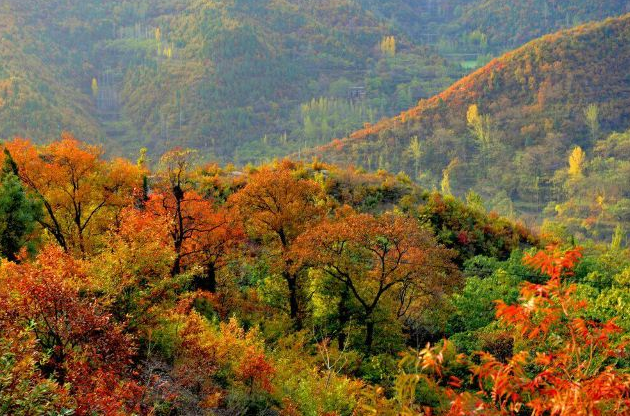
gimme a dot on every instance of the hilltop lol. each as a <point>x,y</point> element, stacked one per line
<point>525,20</point>
<point>224,76</point>
<point>243,80</point>
<point>505,129</point>
<point>490,24</point>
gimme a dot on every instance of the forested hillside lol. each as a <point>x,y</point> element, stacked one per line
<point>506,129</point>
<point>523,20</point>
<point>37,94</point>
<point>256,67</point>
<point>464,252</point>
<point>290,288</point>
<point>479,26</point>
<point>245,80</point>
<point>219,75</point>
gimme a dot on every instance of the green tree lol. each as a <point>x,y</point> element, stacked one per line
<point>18,212</point>
<point>618,238</point>
<point>592,120</point>
<point>445,185</point>
<point>415,148</point>
<point>475,201</point>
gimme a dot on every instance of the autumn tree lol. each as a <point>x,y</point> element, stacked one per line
<point>85,346</point>
<point>277,206</point>
<point>576,163</point>
<point>226,351</point>
<point>480,125</point>
<point>133,268</point>
<point>201,234</point>
<point>24,390</point>
<point>388,46</point>
<point>565,364</point>
<point>174,199</point>
<point>379,257</point>
<point>198,231</point>
<point>81,193</point>
<point>572,352</point>
<point>185,215</point>
<point>211,245</point>
<point>95,88</point>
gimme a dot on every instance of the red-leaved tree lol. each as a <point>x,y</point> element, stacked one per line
<point>564,363</point>
<point>85,348</point>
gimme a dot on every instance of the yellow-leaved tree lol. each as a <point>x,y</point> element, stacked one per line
<point>388,46</point>
<point>576,162</point>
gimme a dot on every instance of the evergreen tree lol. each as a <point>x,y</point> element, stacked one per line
<point>591,113</point>
<point>18,212</point>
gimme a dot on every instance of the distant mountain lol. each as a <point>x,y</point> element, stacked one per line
<point>500,25</point>
<point>218,75</point>
<point>253,79</point>
<point>505,129</point>
<point>244,80</point>
<point>510,24</point>
<point>38,95</point>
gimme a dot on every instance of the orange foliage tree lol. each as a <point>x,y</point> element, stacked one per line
<point>375,257</point>
<point>184,215</point>
<point>133,269</point>
<point>277,206</point>
<point>565,363</point>
<point>24,388</point>
<point>211,245</point>
<point>80,192</point>
<point>229,352</point>
<point>201,233</point>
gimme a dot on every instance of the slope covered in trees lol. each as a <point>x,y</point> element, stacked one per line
<point>249,76</point>
<point>171,285</point>
<point>197,289</point>
<point>218,75</point>
<point>245,80</point>
<point>290,288</point>
<point>37,96</point>
<point>471,29</point>
<point>524,20</point>
<point>506,129</point>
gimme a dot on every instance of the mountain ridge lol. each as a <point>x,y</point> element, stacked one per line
<point>186,88</point>
<point>535,97</point>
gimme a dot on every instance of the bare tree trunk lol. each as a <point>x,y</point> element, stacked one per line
<point>293,300</point>
<point>369,333</point>
<point>343,312</point>
<point>207,281</point>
